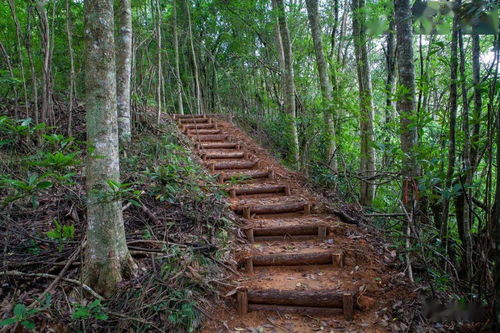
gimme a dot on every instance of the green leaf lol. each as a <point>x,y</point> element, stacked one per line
<point>20,310</point>
<point>8,321</point>
<point>28,324</point>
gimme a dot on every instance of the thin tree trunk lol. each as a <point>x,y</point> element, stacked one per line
<point>124,70</point>
<point>20,53</point>
<point>11,73</point>
<point>476,116</point>
<point>281,62</point>
<point>72,87</point>
<point>452,125</point>
<point>107,256</point>
<point>46,110</point>
<point>390,61</point>
<point>325,85</point>
<point>32,64</point>
<point>289,80</point>
<point>178,79</point>
<point>159,77</point>
<point>199,102</point>
<point>367,158</point>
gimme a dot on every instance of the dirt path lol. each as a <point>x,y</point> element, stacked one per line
<point>302,269</point>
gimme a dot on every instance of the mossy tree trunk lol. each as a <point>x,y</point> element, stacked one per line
<point>107,257</point>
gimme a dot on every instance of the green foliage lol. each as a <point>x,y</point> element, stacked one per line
<point>61,232</point>
<point>25,315</point>
<point>24,188</point>
<point>93,310</point>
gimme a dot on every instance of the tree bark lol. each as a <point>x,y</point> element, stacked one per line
<point>32,64</point>
<point>288,80</point>
<point>199,102</point>
<point>180,105</point>
<point>107,257</point>
<point>124,70</point>
<point>367,158</point>
<point>72,88</point>
<point>12,6</point>
<point>452,107</point>
<point>390,61</point>
<point>325,85</point>
<point>159,69</point>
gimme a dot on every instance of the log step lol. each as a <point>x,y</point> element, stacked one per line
<point>196,131</point>
<point>223,155</point>
<point>292,232</point>
<point>257,174</point>
<point>335,259</point>
<point>285,300</point>
<point>262,189</point>
<point>195,121</point>
<point>292,207</point>
<point>223,145</point>
<point>188,116</point>
<point>232,165</point>
<point>215,137</point>
<point>198,126</point>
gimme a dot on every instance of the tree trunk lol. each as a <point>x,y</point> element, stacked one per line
<point>452,124</point>
<point>407,112</point>
<point>123,70</point>
<point>476,116</point>
<point>32,64</point>
<point>390,61</point>
<point>12,6</point>
<point>367,158</point>
<point>289,80</point>
<point>199,102</point>
<point>72,88</point>
<point>47,110</point>
<point>107,257</point>
<point>11,73</point>
<point>159,69</point>
<point>180,105</point>
<point>325,85</point>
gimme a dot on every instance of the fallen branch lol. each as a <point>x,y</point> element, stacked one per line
<point>51,276</point>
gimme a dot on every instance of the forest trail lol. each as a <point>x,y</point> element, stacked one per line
<point>302,269</point>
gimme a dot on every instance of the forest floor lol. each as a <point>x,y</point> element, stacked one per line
<point>294,263</point>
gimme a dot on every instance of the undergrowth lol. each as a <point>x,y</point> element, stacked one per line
<point>178,230</point>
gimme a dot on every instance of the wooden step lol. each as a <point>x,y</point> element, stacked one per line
<point>195,121</point>
<point>198,126</point>
<point>336,259</point>
<point>289,207</point>
<point>260,189</point>
<point>228,165</point>
<point>286,232</point>
<point>244,176</point>
<point>188,116</point>
<point>221,145</point>
<point>323,301</point>
<point>223,155</point>
<point>215,137</point>
<point>203,131</point>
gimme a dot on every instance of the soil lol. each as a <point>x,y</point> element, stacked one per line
<point>367,269</point>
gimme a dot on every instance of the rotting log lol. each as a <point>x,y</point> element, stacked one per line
<point>215,137</point>
<point>195,121</point>
<point>295,309</point>
<point>299,229</point>
<point>288,259</point>
<point>348,305</point>
<point>261,189</point>
<point>246,176</point>
<point>200,131</point>
<point>316,298</point>
<point>283,238</point>
<point>232,165</point>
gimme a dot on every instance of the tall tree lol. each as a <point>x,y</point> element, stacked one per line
<point>452,120</point>
<point>324,81</point>
<point>72,84</point>
<point>406,109</point>
<point>288,78</point>
<point>124,69</point>
<point>180,106</point>
<point>159,59</point>
<point>107,256</point>
<point>197,84</point>
<point>367,157</point>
